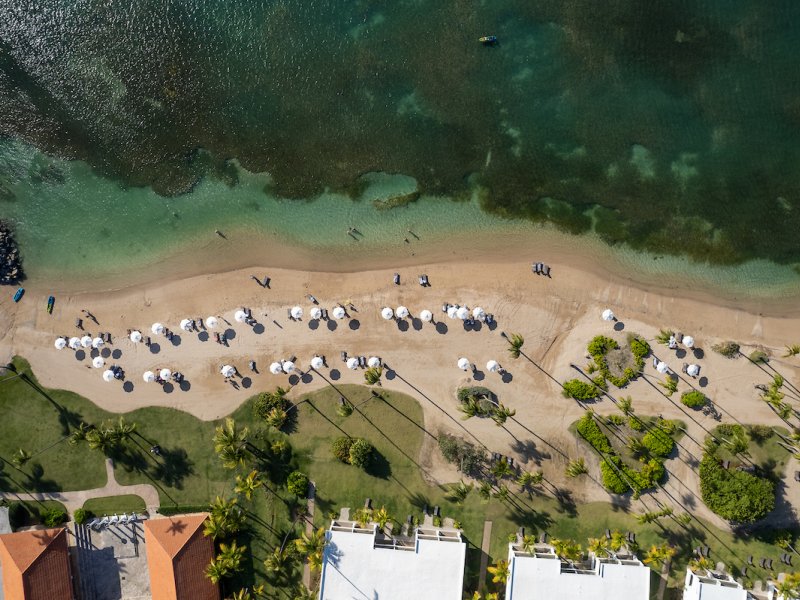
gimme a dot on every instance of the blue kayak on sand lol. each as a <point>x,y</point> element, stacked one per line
<point>18,295</point>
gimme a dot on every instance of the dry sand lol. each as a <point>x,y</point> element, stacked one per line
<point>556,316</point>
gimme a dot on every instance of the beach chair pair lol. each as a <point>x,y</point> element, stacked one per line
<point>423,281</point>
<point>324,314</point>
<point>362,362</point>
<point>344,356</point>
<point>445,307</point>
<point>312,299</point>
<point>396,279</point>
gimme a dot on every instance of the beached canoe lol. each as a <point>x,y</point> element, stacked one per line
<point>488,40</point>
<point>50,302</point>
<point>18,295</point>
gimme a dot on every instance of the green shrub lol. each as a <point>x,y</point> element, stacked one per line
<point>694,399</point>
<point>735,495</point>
<point>610,475</point>
<point>361,453</point>
<point>635,423</point>
<point>580,390</point>
<point>759,356</point>
<point>659,443</point>
<point>760,433</point>
<point>600,382</point>
<point>54,517</point>
<point>266,402</point>
<point>590,431</point>
<point>668,426</point>
<point>476,391</point>
<point>341,448</point>
<point>600,346</point>
<point>81,516</point>
<point>466,456</point>
<point>640,348</point>
<point>664,335</point>
<point>615,420</point>
<point>297,484</point>
<point>727,349</point>
<point>729,429</point>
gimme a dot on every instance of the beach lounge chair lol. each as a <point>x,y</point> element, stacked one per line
<point>93,523</point>
<point>421,281</point>
<point>546,270</point>
<point>445,307</point>
<point>396,279</point>
<point>368,503</point>
<point>289,314</point>
<point>123,519</point>
<point>362,361</point>
<point>537,268</point>
<point>344,356</point>
<point>543,537</point>
<point>425,281</point>
<point>324,314</point>
<point>79,323</point>
<point>103,522</point>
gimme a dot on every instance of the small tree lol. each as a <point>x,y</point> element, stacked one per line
<point>21,457</point>
<point>567,549</point>
<point>694,399</point>
<point>499,572</point>
<point>792,350</point>
<point>248,485</point>
<point>276,417</point>
<point>528,481</point>
<point>297,484</point>
<point>669,384</point>
<point>459,492</point>
<point>311,547</point>
<point>658,555</point>
<point>501,413</point>
<point>373,375</point>
<point>625,405</point>
<point>361,453</point>
<point>576,468</point>
<point>341,448</point>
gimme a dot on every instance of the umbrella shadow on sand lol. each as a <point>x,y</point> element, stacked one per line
<point>402,324</point>
<point>313,324</point>
<point>416,323</point>
<point>619,326</point>
<point>332,325</point>
<point>80,355</point>
<point>128,386</point>
<point>354,324</point>
<point>258,329</point>
<point>230,334</point>
<point>185,385</point>
<point>335,374</point>
<point>246,382</point>
<point>176,339</point>
<point>441,327</point>
<point>155,348</point>
<point>478,375</point>
<point>203,336</point>
<point>116,354</point>
<point>506,377</point>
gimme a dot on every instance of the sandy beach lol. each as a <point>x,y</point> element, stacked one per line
<point>557,316</point>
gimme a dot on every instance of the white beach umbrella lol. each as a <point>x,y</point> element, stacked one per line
<point>316,362</point>
<point>492,366</point>
<point>276,368</point>
<point>662,367</point>
<point>373,362</point>
<point>401,312</point>
<point>60,343</point>
<point>288,366</point>
<point>297,312</point>
<point>108,375</point>
<point>97,342</point>
<point>387,313</point>
<point>462,313</point>
<point>149,376</point>
<point>338,312</point>
<point>478,313</point>
<point>463,363</point>
<point>186,325</point>
<point>315,312</point>
<point>165,374</point>
<point>240,316</point>
<point>688,341</point>
<point>136,336</point>
<point>227,371</point>
<point>607,315</point>
<point>98,362</point>
<point>157,328</point>
<point>74,343</point>
<point>451,311</point>
<point>211,322</point>
<point>426,315</point>
<point>352,363</point>
<point>86,341</point>
<point>693,370</point>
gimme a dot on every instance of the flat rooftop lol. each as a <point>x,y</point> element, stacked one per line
<point>360,564</point>
<point>542,576</point>
<point>712,586</point>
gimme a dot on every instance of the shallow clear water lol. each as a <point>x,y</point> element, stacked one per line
<point>672,125</point>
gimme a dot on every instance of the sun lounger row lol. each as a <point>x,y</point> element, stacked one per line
<point>107,521</point>
<point>423,281</point>
<point>541,269</point>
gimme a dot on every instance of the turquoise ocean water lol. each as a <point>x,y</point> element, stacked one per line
<point>131,129</point>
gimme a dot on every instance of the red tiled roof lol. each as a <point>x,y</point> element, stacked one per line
<point>36,565</point>
<point>177,556</point>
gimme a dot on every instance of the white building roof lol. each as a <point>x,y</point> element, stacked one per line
<point>716,587</point>
<point>358,565</point>
<point>541,576</point>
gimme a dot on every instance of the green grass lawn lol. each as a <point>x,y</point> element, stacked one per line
<point>115,505</point>
<point>189,474</point>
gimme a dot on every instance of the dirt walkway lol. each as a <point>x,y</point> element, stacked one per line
<point>75,500</point>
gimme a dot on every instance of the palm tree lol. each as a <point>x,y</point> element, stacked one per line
<point>626,405</point>
<point>276,417</point>
<point>784,411</point>
<point>232,554</point>
<point>21,457</point>
<point>701,563</point>
<point>567,549</point>
<point>792,350</point>
<point>277,561</point>
<point>303,593</point>
<point>102,439</point>
<point>228,514</point>
<point>501,413</point>
<point>502,493</point>
<point>373,375</point>
<point>789,587</point>
<point>217,570</point>
<point>738,443</point>
<point>230,444</point>
<point>248,485</point>
<point>528,544</point>
<point>669,384</point>
<point>598,546</point>
<point>381,517</point>
<point>242,594</point>
<point>459,492</point>
<point>123,430</point>
<point>214,527</point>
<point>638,449</point>
<point>486,596</point>
<point>485,490</point>
<point>617,540</point>
<point>471,407</point>
<point>658,555</point>
<point>515,343</point>
<point>312,546</point>
<point>79,434</point>
<point>499,572</point>
<point>576,467</point>
<point>527,481</point>
<point>501,469</point>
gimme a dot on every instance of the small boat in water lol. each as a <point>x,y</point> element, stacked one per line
<point>18,295</point>
<point>50,302</point>
<point>488,40</point>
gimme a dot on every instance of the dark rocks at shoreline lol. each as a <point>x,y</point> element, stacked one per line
<point>10,260</point>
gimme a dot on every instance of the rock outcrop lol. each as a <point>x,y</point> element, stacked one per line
<point>10,261</point>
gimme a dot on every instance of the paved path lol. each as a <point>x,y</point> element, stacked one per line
<point>75,500</point>
<point>485,546</point>
<point>662,585</point>
<point>312,488</point>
